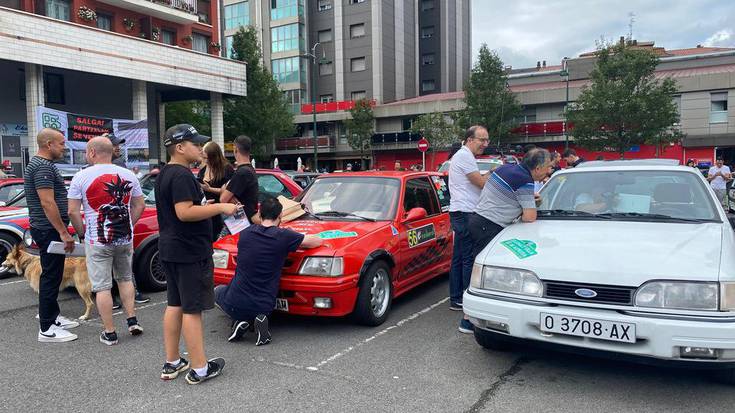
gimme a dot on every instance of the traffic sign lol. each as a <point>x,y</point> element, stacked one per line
<point>423,145</point>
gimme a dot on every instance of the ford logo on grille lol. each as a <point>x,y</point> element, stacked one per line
<point>585,293</point>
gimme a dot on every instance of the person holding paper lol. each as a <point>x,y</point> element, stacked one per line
<point>49,217</point>
<point>262,248</point>
<point>243,187</point>
<point>113,203</point>
<point>718,176</point>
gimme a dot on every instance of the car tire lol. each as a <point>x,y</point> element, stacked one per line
<point>726,376</point>
<point>148,271</point>
<point>375,295</point>
<point>490,340</point>
<point>7,242</point>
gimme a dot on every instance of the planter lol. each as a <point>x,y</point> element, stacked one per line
<point>87,14</point>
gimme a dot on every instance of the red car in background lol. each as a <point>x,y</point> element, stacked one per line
<point>9,189</point>
<point>384,233</point>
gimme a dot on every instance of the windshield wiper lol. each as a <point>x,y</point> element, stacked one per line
<point>567,213</point>
<point>652,216</point>
<point>309,212</point>
<point>344,214</point>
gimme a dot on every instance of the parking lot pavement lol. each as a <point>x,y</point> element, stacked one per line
<point>416,361</point>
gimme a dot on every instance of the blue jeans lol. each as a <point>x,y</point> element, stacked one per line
<point>462,258</point>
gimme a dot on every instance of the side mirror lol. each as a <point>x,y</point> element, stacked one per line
<point>415,214</point>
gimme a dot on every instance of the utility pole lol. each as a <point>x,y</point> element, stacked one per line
<point>565,73</point>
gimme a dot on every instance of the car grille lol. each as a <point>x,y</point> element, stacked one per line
<point>607,294</point>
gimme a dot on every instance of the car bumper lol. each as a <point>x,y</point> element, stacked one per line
<point>303,293</point>
<point>656,338</point>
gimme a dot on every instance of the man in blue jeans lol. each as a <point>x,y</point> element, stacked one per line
<point>465,184</point>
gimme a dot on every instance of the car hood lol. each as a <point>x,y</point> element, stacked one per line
<point>337,235</point>
<point>610,252</point>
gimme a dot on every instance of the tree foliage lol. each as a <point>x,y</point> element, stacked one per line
<point>625,104</point>
<point>194,112</point>
<point>439,129</point>
<point>490,102</point>
<point>361,126</point>
<point>263,114</point>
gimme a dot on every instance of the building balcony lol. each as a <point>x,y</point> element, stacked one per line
<point>177,11</point>
<point>395,140</point>
<point>540,129</point>
<point>305,143</point>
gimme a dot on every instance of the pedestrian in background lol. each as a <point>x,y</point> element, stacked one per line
<point>185,253</point>
<point>571,158</point>
<point>243,186</point>
<point>215,173</point>
<point>465,184</point>
<point>718,176</point>
<point>113,202</point>
<point>48,208</point>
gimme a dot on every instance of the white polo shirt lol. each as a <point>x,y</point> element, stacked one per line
<point>464,194</point>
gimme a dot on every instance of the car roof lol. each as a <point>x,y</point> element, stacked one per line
<point>630,162</point>
<point>377,174</point>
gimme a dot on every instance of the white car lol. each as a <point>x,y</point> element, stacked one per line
<point>484,165</point>
<point>634,259</point>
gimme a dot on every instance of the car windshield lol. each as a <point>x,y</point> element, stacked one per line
<point>352,198</point>
<point>146,185</point>
<point>628,195</point>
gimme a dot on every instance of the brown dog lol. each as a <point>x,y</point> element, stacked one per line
<point>75,274</point>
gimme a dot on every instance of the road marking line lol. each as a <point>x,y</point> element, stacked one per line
<point>13,282</point>
<point>378,334</point>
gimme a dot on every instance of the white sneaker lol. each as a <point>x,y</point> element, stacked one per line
<point>65,323</point>
<point>55,335</point>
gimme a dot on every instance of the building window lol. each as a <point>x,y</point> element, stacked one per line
<point>168,37</point>
<point>281,9</point>
<point>427,59</point>
<point>228,46</point>
<point>427,5</point>
<point>294,99</point>
<point>427,32</point>
<point>104,21</point>
<point>286,38</point>
<point>237,15</point>
<point>325,69</point>
<point>53,88</point>
<point>718,109</point>
<point>59,9</point>
<point>325,36</point>
<point>357,1</point>
<point>358,94</point>
<point>427,85</point>
<point>199,42</point>
<point>286,70</point>
<point>357,64</point>
<point>326,98</point>
<point>325,5</point>
<point>357,30</point>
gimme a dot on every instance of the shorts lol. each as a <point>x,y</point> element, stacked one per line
<point>106,261</point>
<point>235,313</point>
<point>190,285</point>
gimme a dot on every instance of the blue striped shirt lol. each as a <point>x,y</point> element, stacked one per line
<point>507,192</point>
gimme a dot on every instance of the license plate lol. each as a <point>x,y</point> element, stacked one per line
<point>281,304</point>
<point>588,327</point>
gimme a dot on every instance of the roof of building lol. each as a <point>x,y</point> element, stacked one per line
<point>698,50</point>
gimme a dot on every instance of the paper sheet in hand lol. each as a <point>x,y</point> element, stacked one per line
<point>237,222</point>
<point>57,247</point>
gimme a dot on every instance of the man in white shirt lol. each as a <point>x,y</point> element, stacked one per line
<point>113,203</point>
<point>465,185</point>
<point>718,177</point>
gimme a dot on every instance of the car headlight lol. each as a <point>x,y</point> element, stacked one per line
<point>507,280</point>
<point>322,266</point>
<point>220,258</point>
<point>679,295</point>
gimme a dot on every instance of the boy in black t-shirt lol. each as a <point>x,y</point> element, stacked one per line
<point>185,253</point>
<point>261,251</point>
<point>243,187</point>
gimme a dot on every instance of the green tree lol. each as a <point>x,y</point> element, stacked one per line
<point>438,129</point>
<point>194,112</point>
<point>490,102</point>
<point>263,114</point>
<point>361,127</point>
<point>625,104</point>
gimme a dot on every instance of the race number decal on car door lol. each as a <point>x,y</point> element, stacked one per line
<point>421,235</point>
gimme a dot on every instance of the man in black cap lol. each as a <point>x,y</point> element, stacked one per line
<point>185,253</point>
<point>117,159</point>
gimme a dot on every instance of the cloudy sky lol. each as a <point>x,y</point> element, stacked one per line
<point>523,32</point>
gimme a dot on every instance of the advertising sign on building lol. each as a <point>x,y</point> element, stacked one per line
<point>82,128</point>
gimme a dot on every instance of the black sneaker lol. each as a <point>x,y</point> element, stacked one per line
<point>170,371</point>
<point>108,338</point>
<point>133,327</point>
<point>238,330</point>
<point>455,306</point>
<point>116,303</point>
<point>214,368</point>
<point>261,328</point>
<point>140,298</point>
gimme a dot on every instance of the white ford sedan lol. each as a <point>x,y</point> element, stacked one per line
<point>627,258</point>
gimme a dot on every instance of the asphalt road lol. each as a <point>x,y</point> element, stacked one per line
<point>417,361</point>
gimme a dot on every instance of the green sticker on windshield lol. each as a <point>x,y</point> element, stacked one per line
<point>520,247</point>
<point>334,234</point>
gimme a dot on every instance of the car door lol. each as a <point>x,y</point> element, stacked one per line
<point>418,238</point>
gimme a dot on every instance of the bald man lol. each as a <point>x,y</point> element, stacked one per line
<point>113,202</point>
<point>47,210</point>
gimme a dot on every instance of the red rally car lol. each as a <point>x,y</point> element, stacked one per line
<point>384,233</point>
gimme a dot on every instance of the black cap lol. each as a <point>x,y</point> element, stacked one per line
<point>116,141</point>
<point>183,132</point>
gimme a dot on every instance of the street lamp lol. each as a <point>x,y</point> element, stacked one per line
<point>314,69</point>
<point>565,73</point>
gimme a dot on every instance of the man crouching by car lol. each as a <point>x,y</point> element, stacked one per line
<point>250,297</point>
